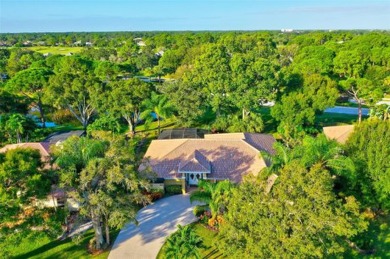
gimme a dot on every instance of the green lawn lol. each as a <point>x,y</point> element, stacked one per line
<point>334,119</point>
<point>151,129</point>
<point>43,247</point>
<point>56,50</point>
<point>209,239</point>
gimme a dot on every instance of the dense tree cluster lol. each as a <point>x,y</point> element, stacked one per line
<point>100,174</point>
<point>222,81</point>
<point>315,207</point>
<point>219,80</point>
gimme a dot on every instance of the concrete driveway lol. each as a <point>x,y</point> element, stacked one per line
<point>156,222</point>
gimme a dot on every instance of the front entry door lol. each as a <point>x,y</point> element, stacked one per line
<point>194,178</point>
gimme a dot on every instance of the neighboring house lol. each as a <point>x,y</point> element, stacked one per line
<point>139,42</point>
<point>57,197</point>
<point>339,133</point>
<point>215,157</point>
<point>42,147</point>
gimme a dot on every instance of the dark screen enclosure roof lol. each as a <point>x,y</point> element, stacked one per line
<point>182,133</point>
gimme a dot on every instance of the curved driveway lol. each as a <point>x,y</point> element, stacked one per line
<point>156,222</point>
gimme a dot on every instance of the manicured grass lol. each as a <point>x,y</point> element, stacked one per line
<point>151,129</point>
<point>209,240</point>
<point>42,247</point>
<point>333,119</point>
<point>349,104</point>
<point>56,50</point>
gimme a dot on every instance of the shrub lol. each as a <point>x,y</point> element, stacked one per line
<point>173,189</point>
<point>155,195</point>
<point>199,210</point>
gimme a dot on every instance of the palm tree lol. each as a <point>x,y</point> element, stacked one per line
<point>15,123</point>
<point>214,195</point>
<point>318,150</point>
<point>159,105</point>
<point>184,243</point>
<point>327,153</point>
<point>282,156</point>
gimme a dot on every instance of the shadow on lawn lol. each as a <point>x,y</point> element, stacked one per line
<point>213,254</point>
<point>55,244</point>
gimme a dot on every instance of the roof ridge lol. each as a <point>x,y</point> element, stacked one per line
<point>200,162</point>
<point>345,133</point>
<point>259,151</point>
<point>246,142</point>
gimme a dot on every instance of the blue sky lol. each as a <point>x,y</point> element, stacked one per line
<point>149,15</point>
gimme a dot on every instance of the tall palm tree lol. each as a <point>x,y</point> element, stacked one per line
<point>214,195</point>
<point>159,105</point>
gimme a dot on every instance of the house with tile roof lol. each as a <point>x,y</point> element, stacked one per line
<point>57,196</point>
<point>215,157</point>
<point>339,133</point>
<point>42,147</point>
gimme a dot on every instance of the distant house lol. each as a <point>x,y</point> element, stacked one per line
<point>160,53</point>
<point>27,43</point>
<point>77,43</point>
<point>44,147</point>
<point>139,42</point>
<point>339,133</point>
<point>214,157</point>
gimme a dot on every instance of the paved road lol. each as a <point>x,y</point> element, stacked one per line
<point>156,222</point>
<point>346,110</point>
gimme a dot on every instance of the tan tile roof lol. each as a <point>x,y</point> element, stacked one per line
<point>231,157</point>
<point>339,133</point>
<point>42,147</point>
<point>226,136</point>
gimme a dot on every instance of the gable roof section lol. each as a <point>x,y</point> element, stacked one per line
<point>197,162</point>
<point>339,133</point>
